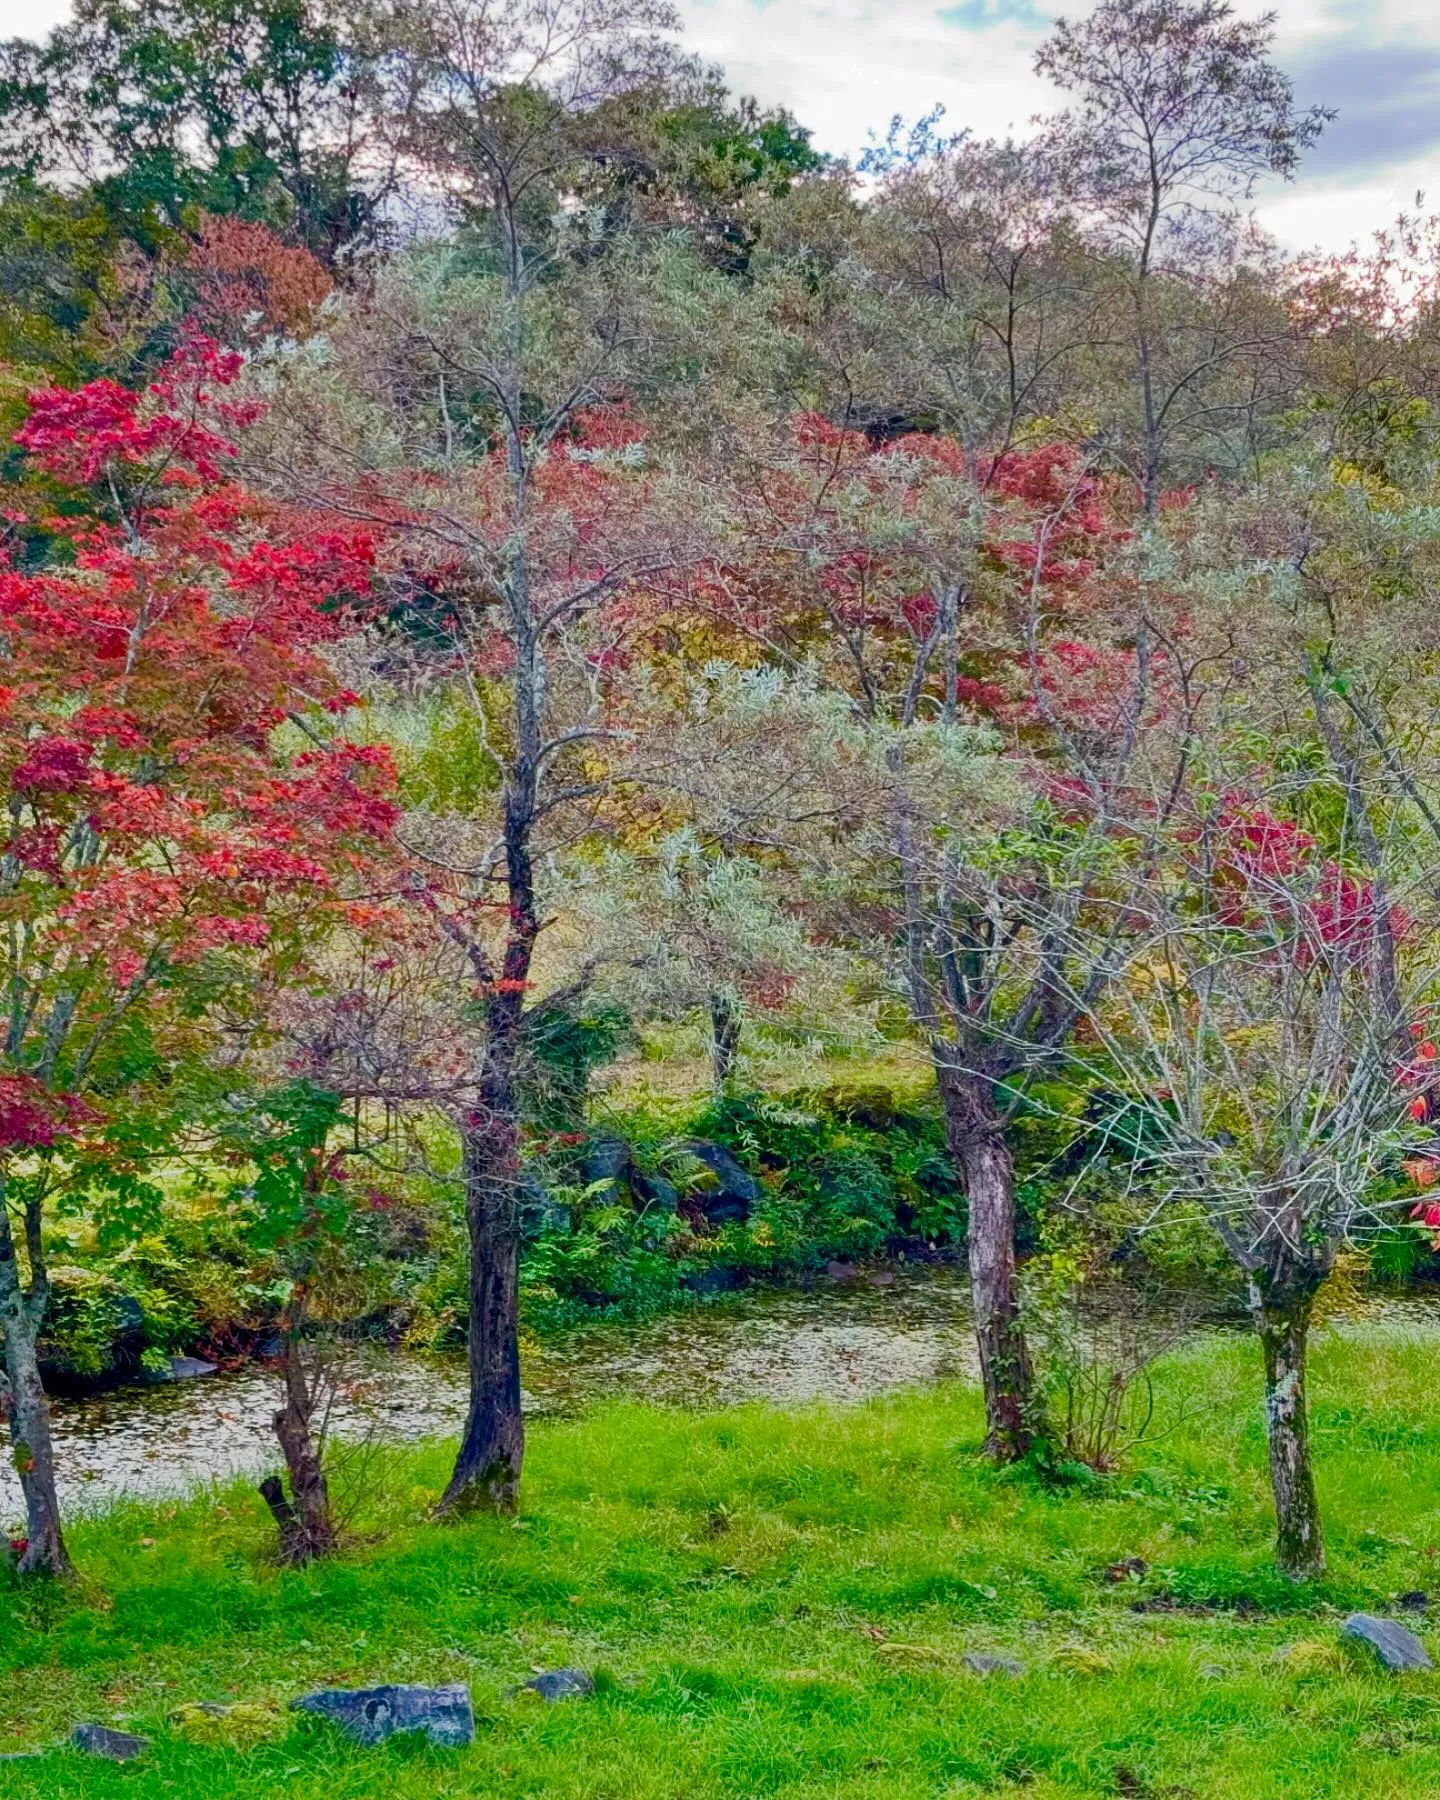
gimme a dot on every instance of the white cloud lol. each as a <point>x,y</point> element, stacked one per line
<point>30,18</point>
<point>845,67</point>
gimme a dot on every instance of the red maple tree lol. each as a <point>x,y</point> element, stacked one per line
<point>183,816</point>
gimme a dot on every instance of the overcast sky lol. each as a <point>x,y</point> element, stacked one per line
<point>845,67</point>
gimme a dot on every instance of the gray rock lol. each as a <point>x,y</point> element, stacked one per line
<point>113,1746</point>
<point>981,1664</point>
<point>653,1190</point>
<point>739,1190</point>
<point>561,1684</point>
<point>189,1368</point>
<point>21,1755</point>
<point>1397,1647</point>
<point>370,1715</point>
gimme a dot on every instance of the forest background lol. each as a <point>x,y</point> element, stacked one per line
<point>598,704</point>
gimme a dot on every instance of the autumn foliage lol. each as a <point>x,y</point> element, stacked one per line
<point>159,825</point>
<point>249,282</point>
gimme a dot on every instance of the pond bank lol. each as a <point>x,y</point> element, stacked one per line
<point>885,1330</point>
<point>845,1341</point>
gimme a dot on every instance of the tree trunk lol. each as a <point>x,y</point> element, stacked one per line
<point>725,1022</point>
<point>307,1524</point>
<point>28,1415</point>
<point>487,1470</point>
<point>976,1139</point>
<point>1281,1311</point>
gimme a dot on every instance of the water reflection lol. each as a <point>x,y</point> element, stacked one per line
<point>841,1343</point>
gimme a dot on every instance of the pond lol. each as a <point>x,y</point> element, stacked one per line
<point>839,1343</point>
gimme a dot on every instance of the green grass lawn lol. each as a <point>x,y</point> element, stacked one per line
<point>778,1604</point>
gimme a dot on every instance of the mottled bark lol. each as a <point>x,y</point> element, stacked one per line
<point>486,1477</point>
<point>27,1411</point>
<point>306,1521</point>
<point>976,1139</point>
<point>1281,1312</point>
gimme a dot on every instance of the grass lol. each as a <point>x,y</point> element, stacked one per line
<point>778,1604</point>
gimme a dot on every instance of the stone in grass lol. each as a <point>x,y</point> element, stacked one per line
<point>1396,1647</point>
<point>113,1746</point>
<point>980,1664</point>
<point>560,1684</point>
<point>370,1715</point>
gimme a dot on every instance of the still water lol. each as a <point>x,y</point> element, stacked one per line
<point>839,1343</point>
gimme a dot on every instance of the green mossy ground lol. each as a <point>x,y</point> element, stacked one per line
<point>778,1604</point>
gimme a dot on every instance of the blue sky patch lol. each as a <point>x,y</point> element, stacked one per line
<point>985,15</point>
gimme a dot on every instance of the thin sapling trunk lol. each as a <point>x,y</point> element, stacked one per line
<point>27,1411</point>
<point>725,1023</point>
<point>306,1520</point>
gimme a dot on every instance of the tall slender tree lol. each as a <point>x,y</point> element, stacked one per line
<point>1178,111</point>
<point>485,438</point>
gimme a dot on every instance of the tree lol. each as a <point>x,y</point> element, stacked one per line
<point>1264,1034</point>
<point>939,594</point>
<point>1178,112</point>
<point>58,280</point>
<point>165,848</point>
<point>245,283</point>
<point>685,925</point>
<point>1271,1016</point>
<point>992,311</point>
<point>679,154</point>
<point>485,438</point>
<point>254,107</point>
<point>319,1119</point>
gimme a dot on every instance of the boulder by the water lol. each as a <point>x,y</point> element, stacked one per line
<point>1396,1645</point>
<point>541,1214</point>
<point>370,1715</point>
<point>738,1190</point>
<point>112,1746</point>
<point>607,1161</point>
<point>732,1178</point>
<point>653,1190</point>
<point>187,1368</point>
